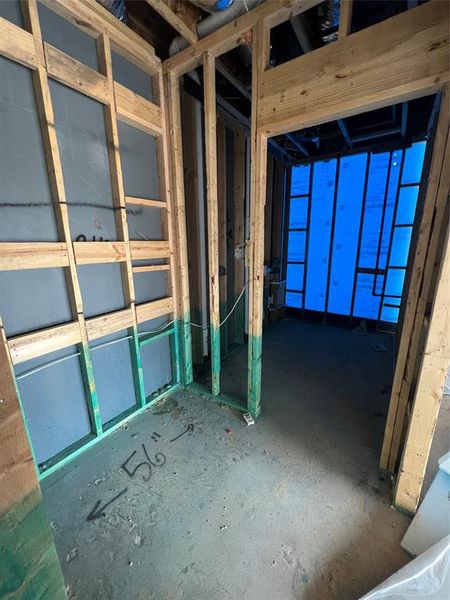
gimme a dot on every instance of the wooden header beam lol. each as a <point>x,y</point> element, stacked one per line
<point>399,59</point>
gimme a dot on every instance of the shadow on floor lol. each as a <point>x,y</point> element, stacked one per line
<point>288,509</point>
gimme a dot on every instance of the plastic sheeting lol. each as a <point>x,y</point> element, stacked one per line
<point>427,577</point>
<point>329,218</point>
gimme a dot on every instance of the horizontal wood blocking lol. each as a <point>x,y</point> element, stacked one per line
<point>75,74</point>
<point>399,59</point>
<point>31,345</point>
<point>146,250</point>
<point>145,202</point>
<point>42,255</point>
<point>87,253</point>
<point>151,268</point>
<point>38,343</point>
<point>154,309</point>
<point>32,255</point>
<point>137,111</point>
<point>94,19</point>
<point>17,44</point>
<point>109,323</point>
<point>231,35</point>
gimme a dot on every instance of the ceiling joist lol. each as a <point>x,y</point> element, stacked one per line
<point>187,30</point>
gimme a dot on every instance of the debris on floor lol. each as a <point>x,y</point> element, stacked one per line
<point>379,347</point>
<point>249,420</point>
<point>360,329</point>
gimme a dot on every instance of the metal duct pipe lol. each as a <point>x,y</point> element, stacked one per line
<point>213,22</point>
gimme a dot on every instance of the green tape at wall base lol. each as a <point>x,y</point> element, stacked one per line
<point>255,364</point>
<point>29,567</point>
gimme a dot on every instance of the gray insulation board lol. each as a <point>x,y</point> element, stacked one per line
<point>115,385</point>
<point>53,401</point>
<point>54,398</point>
<point>80,128</point>
<point>11,12</point>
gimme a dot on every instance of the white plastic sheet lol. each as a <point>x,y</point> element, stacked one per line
<point>427,577</point>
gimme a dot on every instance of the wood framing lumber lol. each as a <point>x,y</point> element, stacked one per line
<point>110,323</point>
<point>233,79</point>
<point>193,177</point>
<point>161,7</point>
<point>146,250</point>
<point>145,202</point>
<point>428,394</point>
<point>38,343</point>
<point>209,82</point>
<point>399,59</point>
<point>421,271</point>
<point>94,19</point>
<point>118,193</point>
<point>137,111</point>
<point>17,44</point>
<point>41,255</point>
<point>75,74</point>
<point>35,344</point>
<point>182,309</point>
<point>151,268</point>
<point>50,141</point>
<point>30,566</point>
<point>231,35</point>
<point>56,179</point>
<point>115,167</point>
<point>154,309</point>
<point>32,255</point>
<point>222,228</point>
<point>345,18</point>
<point>239,229</point>
<point>88,253</point>
<point>258,182</point>
<point>181,341</point>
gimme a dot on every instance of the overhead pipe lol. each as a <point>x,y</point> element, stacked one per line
<point>214,22</point>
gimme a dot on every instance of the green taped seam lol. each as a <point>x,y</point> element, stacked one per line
<point>153,337</point>
<point>186,345</point>
<point>254,387</point>
<point>175,353</point>
<point>29,566</point>
<point>81,446</point>
<point>91,391</point>
<point>136,366</point>
<point>215,360</point>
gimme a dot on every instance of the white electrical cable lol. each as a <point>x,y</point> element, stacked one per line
<point>228,315</point>
<point>92,349</point>
<point>53,362</point>
<point>156,330</point>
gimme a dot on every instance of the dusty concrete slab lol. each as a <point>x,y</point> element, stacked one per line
<point>290,508</point>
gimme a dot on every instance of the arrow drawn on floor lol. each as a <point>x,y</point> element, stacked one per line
<point>98,510</point>
<point>188,430</point>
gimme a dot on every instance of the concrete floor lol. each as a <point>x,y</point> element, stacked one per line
<point>290,508</point>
